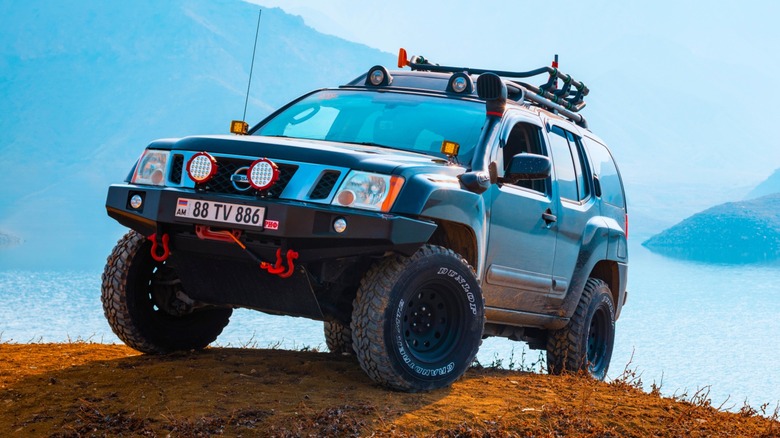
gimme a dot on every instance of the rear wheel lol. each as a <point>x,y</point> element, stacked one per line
<point>146,307</point>
<point>587,340</point>
<point>417,321</point>
<point>338,337</point>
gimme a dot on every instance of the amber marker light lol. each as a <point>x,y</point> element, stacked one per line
<point>403,59</point>
<point>396,182</point>
<point>239,127</point>
<point>450,148</point>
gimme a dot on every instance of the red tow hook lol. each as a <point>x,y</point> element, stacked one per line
<point>278,268</point>
<point>166,251</point>
<point>291,255</point>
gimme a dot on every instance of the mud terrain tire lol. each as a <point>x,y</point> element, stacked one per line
<point>417,321</point>
<point>585,344</point>
<point>131,281</point>
<point>338,337</point>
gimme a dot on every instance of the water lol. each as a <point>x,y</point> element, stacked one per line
<point>686,326</point>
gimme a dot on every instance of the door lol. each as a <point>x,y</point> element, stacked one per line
<point>573,179</point>
<point>522,236</point>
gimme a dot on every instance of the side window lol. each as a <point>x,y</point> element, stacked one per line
<point>580,165</point>
<point>563,163</point>
<point>570,167</point>
<point>607,173</point>
<point>524,138</point>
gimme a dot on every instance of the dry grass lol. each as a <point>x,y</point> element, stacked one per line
<point>83,389</point>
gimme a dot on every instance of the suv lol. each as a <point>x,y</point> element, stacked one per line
<point>414,212</point>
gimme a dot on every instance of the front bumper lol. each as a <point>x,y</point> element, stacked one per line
<point>305,227</point>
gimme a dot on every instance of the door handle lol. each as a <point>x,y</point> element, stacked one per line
<point>548,217</point>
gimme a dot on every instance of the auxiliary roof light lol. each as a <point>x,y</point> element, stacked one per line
<point>202,167</point>
<point>378,76</point>
<point>262,174</point>
<point>460,83</point>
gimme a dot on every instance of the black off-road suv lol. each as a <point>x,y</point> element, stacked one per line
<point>414,212</point>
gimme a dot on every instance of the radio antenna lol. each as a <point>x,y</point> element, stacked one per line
<point>240,126</point>
<point>252,66</point>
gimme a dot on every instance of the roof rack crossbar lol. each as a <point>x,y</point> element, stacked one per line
<point>552,71</point>
<point>575,103</point>
<point>564,100</point>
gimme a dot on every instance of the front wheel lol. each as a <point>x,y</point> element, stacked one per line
<point>142,301</point>
<point>587,340</point>
<point>417,321</point>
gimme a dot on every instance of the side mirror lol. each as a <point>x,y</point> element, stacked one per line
<point>527,167</point>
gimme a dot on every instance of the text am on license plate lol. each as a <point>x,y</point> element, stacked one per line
<point>223,212</point>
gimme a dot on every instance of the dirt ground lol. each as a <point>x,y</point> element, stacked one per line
<point>81,389</point>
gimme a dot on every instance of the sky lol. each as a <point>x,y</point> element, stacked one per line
<point>680,90</point>
<point>494,32</point>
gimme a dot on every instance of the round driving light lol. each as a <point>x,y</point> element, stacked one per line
<point>136,201</point>
<point>201,167</point>
<point>459,85</point>
<point>377,77</point>
<point>339,225</point>
<point>262,174</point>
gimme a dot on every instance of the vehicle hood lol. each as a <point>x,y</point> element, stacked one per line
<point>359,157</point>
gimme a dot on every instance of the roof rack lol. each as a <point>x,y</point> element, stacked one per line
<point>566,100</point>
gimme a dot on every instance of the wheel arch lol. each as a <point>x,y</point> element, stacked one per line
<point>457,237</point>
<point>609,272</point>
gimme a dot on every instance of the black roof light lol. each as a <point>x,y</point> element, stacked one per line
<point>460,83</point>
<point>378,76</point>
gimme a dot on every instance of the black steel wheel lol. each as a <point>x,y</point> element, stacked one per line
<point>417,321</point>
<point>144,307</point>
<point>586,343</point>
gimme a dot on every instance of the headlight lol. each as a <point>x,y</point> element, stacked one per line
<point>151,168</point>
<point>369,191</point>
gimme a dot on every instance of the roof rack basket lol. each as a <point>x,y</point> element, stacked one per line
<point>566,101</point>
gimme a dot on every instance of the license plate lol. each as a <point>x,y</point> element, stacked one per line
<point>223,212</point>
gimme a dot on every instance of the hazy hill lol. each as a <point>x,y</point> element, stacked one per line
<point>735,232</point>
<point>7,240</point>
<point>86,85</point>
<point>767,187</point>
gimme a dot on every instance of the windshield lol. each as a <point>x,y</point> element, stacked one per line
<point>409,122</point>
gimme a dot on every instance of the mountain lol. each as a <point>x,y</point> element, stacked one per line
<point>86,85</point>
<point>768,186</point>
<point>735,232</point>
<point>8,240</point>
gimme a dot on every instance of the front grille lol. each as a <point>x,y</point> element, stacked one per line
<point>226,167</point>
<point>176,169</point>
<point>325,184</point>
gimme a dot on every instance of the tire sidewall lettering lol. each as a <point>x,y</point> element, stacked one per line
<point>406,357</point>
<point>463,283</point>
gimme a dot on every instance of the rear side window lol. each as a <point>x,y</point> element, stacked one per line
<point>607,173</point>
<point>569,164</point>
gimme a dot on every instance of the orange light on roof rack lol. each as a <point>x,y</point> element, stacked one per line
<point>403,59</point>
